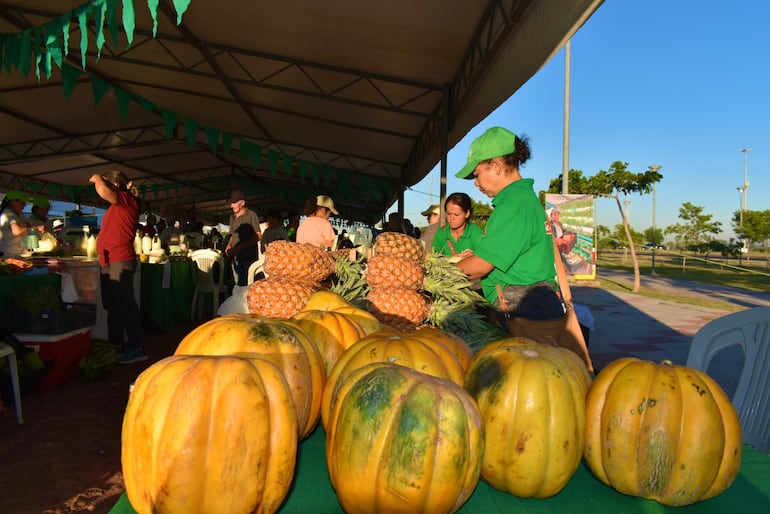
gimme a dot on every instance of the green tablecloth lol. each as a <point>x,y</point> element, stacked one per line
<point>167,304</point>
<point>10,284</point>
<point>312,492</point>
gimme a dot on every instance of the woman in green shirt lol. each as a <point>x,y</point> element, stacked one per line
<point>515,255</point>
<point>458,234</point>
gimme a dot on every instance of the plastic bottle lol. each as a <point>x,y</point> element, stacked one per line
<point>155,243</point>
<point>146,244</point>
<point>91,247</point>
<point>138,243</point>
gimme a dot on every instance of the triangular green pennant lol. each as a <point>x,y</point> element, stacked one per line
<point>169,120</point>
<point>11,57</point>
<point>99,87</point>
<point>53,43</point>
<point>154,188</point>
<point>190,131</point>
<point>272,159</point>
<point>70,191</point>
<point>316,170</point>
<point>245,150</point>
<point>53,190</point>
<point>152,5</point>
<point>99,11</point>
<point>112,21</point>
<point>288,164</point>
<point>146,104</point>
<point>123,98</point>
<point>303,166</point>
<point>83,26</point>
<point>3,37</point>
<point>35,187</point>
<point>25,52</point>
<point>227,140</point>
<point>256,156</point>
<point>143,190</point>
<point>129,23</point>
<point>181,7</point>
<point>38,54</point>
<point>213,136</point>
<point>64,24</point>
<point>69,78</point>
<point>326,175</point>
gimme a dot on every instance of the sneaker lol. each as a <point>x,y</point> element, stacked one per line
<point>131,356</point>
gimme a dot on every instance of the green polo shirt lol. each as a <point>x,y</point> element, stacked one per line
<point>516,241</point>
<point>468,240</point>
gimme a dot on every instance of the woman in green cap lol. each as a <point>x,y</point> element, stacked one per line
<point>13,226</point>
<point>515,256</point>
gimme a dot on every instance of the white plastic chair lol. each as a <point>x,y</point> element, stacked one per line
<point>6,350</point>
<point>749,329</point>
<point>255,268</point>
<point>209,278</point>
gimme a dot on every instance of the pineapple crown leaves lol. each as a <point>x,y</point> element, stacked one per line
<point>445,281</point>
<point>349,280</point>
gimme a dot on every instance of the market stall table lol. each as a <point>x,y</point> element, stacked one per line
<point>166,292</point>
<point>312,492</point>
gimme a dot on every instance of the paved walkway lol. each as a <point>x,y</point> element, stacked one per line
<point>627,324</point>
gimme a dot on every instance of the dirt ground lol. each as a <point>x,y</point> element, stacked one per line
<point>65,458</point>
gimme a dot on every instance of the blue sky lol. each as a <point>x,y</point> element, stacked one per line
<point>683,84</point>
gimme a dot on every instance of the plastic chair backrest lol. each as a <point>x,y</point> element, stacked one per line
<point>210,269</point>
<point>257,266</point>
<point>749,329</point>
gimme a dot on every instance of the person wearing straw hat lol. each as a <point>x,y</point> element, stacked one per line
<point>433,213</point>
<point>13,226</point>
<point>515,256</point>
<point>316,229</point>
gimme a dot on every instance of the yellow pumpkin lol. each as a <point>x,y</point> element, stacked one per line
<point>663,432</point>
<point>407,349</point>
<point>190,442</point>
<point>331,331</point>
<point>532,401</point>
<point>403,441</point>
<point>280,341</point>
<point>456,343</point>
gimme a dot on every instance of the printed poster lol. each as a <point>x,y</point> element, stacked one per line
<point>572,222</point>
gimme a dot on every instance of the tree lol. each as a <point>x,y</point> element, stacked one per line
<point>481,213</point>
<point>756,228</point>
<point>611,183</point>
<point>658,233</point>
<point>693,233</point>
<point>603,238</point>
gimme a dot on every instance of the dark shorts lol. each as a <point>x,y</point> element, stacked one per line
<point>538,301</point>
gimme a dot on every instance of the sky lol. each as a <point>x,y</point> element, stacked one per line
<point>684,84</point>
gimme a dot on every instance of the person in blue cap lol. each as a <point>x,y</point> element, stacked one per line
<point>515,255</point>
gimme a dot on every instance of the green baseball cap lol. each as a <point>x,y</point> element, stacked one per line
<point>41,202</point>
<point>495,142</point>
<point>17,195</point>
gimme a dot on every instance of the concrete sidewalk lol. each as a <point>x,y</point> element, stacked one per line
<point>627,324</point>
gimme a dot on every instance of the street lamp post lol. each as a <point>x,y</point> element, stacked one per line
<point>741,193</point>
<point>654,167</point>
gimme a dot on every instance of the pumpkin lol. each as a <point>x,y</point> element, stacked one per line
<point>332,332</point>
<point>532,400</point>
<point>407,349</point>
<point>403,441</point>
<point>663,432</point>
<point>457,344</point>
<point>190,442</point>
<point>280,341</point>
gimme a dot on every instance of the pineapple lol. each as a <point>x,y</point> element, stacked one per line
<point>391,271</point>
<point>298,261</point>
<point>400,245</point>
<point>276,297</point>
<point>396,305</point>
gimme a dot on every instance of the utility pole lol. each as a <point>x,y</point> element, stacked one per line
<point>654,167</point>
<point>565,142</point>
<point>744,192</point>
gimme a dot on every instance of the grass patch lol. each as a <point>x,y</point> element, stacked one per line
<point>753,275</point>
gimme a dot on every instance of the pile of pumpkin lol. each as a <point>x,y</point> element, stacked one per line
<point>412,420</point>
